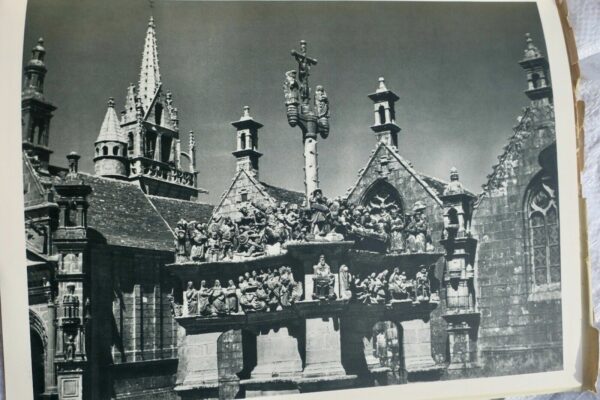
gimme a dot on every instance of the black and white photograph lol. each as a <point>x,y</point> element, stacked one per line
<point>230,199</point>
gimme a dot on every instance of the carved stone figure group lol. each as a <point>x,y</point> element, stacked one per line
<point>265,228</point>
<point>384,287</point>
<point>263,291</point>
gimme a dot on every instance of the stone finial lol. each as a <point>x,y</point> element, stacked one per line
<point>111,102</point>
<point>192,143</point>
<point>453,174</point>
<point>246,114</point>
<point>151,22</point>
<point>531,51</point>
<point>382,87</point>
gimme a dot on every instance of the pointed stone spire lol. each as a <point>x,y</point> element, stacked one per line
<point>382,87</point>
<point>149,73</point>
<point>110,130</point>
<point>531,51</point>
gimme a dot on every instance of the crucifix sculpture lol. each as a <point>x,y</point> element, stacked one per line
<point>310,113</point>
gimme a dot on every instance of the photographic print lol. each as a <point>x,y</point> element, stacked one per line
<point>242,199</point>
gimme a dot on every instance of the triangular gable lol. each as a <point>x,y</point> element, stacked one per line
<point>405,164</point>
<point>229,194</point>
<point>33,190</point>
<point>165,119</point>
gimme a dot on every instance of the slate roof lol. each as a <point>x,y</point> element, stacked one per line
<point>172,210</point>
<point>121,213</point>
<point>284,195</point>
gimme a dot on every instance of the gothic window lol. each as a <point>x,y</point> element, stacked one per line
<point>382,197</point>
<point>542,222</point>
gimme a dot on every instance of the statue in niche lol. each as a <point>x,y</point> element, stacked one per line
<point>231,298</point>
<point>70,347</point>
<point>422,285</point>
<point>345,282</point>
<point>323,281</point>
<point>290,87</point>
<point>217,299</point>
<point>70,302</point>
<point>180,240</point>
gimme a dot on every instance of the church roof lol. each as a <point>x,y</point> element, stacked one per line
<point>110,129</point>
<point>172,210</point>
<point>121,214</point>
<point>284,195</point>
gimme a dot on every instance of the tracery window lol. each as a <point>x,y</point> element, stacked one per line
<point>544,241</point>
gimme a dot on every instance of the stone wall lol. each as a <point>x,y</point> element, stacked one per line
<point>134,329</point>
<point>520,330</point>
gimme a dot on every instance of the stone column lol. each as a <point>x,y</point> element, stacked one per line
<point>277,356</point>
<point>158,148</point>
<point>50,378</point>
<point>198,361</point>
<point>311,167</point>
<point>417,345</point>
<point>323,350</point>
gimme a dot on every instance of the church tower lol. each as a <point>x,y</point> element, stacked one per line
<point>385,127</point>
<point>36,111</point>
<point>111,146</point>
<point>539,89</point>
<point>150,129</point>
<point>246,152</point>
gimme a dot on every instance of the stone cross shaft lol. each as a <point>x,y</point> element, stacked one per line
<point>310,114</point>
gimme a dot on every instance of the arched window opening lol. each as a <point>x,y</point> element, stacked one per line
<point>97,151</point>
<point>115,150</point>
<point>158,114</point>
<point>130,142</point>
<point>543,226</point>
<point>381,112</point>
<point>105,150</point>
<point>535,80</point>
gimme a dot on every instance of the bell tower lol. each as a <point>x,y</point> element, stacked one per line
<point>111,146</point>
<point>539,87</point>
<point>385,127</point>
<point>36,111</point>
<point>246,152</point>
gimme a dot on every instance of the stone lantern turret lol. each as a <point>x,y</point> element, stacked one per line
<point>246,152</point>
<point>385,127</point>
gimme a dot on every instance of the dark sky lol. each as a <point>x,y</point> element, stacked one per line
<point>454,66</point>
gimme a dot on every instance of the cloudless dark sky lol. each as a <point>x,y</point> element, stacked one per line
<point>454,66</point>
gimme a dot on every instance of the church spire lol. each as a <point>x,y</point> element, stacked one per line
<point>149,73</point>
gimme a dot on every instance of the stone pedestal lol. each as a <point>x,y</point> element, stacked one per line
<point>417,346</point>
<point>462,339</point>
<point>277,356</point>
<point>323,351</point>
<point>198,365</point>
